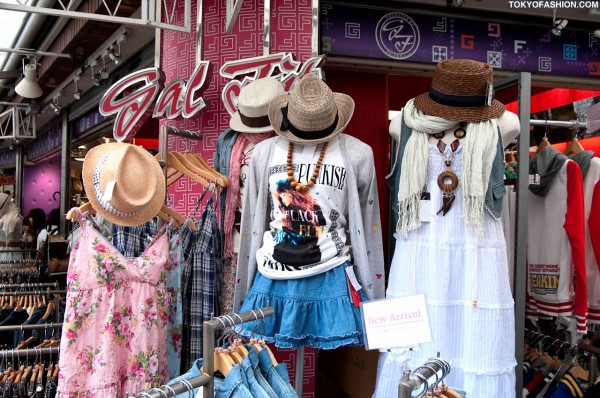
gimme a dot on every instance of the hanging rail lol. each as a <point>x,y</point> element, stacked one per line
<point>29,351</point>
<point>558,123</point>
<point>413,381</point>
<point>179,387</point>
<point>32,292</point>
<point>18,328</point>
<point>27,285</point>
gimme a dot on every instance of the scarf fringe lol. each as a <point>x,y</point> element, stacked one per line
<point>409,214</point>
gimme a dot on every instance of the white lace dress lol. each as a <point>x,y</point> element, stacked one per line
<point>446,262</point>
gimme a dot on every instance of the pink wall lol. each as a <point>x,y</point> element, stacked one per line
<point>40,181</point>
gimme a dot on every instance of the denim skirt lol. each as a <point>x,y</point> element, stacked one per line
<point>316,311</point>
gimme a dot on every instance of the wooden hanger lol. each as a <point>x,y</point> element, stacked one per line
<point>222,362</point>
<point>574,147</point>
<point>26,343</point>
<point>545,142</point>
<point>176,164</point>
<point>72,214</point>
<point>49,311</point>
<point>579,373</point>
<point>199,161</point>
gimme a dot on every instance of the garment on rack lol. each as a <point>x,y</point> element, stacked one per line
<point>11,225</point>
<point>568,387</point>
<point>9,339</point>
<point>556,270</point>
<point>465,280</point>
<point>198,289</point>
<point>115,328</point>
<point>132,241</point>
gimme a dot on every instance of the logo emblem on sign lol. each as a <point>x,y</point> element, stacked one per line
<point>397,35</point>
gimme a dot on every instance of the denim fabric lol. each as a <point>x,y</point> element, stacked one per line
<point>303,309</point>
<point>277,376</point>
<point>253,357</point>
<point>250,380</point>
<point>33,319</point>
<point>495,192</point>
<point>233,385</point>
<point>193,372</point>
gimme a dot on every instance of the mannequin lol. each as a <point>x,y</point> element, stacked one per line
<point>449,241</point>
<point>11,225</point>
<point>307,198</point>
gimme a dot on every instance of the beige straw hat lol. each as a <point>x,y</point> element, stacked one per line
<point>253,106</point>
<point>311,112</point>
<point>124,183</point>
<point>462,90</point>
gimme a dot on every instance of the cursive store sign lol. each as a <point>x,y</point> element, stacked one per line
<point>142,94</point>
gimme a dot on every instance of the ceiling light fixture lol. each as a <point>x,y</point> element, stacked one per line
<point>78,91</point>
<point>28,87</point>
<point>55,105</point>
<point>104,73</point>
<point>558,24</point>
<point>115,57</point>
<point>596,33</point>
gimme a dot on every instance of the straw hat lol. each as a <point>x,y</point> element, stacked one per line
<point>313,113</point>
<point>124,183</point>
<point>461,90</point>
<point>253,106</point>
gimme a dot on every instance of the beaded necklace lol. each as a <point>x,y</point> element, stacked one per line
<point>290,170</point>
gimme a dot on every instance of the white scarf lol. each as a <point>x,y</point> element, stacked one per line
<point>479,151</point>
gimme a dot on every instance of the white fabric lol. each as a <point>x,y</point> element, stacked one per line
<point>592,178</point>
<point>509,219</point>
<point>321,219</point>
<point>480,146</point>
<point>447,262</point>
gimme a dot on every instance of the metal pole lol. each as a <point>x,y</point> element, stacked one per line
<point>65,174</point>
<point>177,388</point>
<point>14,328</point>
<point>315,28</point>
<point>556,123</point>
<point>33,52</point>
<point>18,194</point>
<point>267,28</point>
<point>520,275</point>
<point>299,371</point>
<point>593,369</point>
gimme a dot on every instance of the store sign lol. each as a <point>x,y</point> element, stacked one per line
<point>397,322</point>
<point>281,66</point>
<point>376,33</point>
<point>132,97</point>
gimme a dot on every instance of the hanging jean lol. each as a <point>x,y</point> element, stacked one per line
<point>233,385</point>
<point>277,376</point>
<point>260,378</point>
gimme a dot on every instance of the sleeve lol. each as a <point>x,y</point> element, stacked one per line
<point>371,221</point>
<point>246,264</point>
<point>594,222</point>
<point>575,228</point>
<point>217,154</point>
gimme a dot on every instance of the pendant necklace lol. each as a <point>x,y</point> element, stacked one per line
<point>448,188</point>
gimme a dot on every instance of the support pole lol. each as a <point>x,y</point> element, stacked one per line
<point>299,371</point>
<point>18,194</point>
<point>65,174</point>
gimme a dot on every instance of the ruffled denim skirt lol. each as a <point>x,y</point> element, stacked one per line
<point>316,311</point>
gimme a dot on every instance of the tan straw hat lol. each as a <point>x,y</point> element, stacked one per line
<point>253,106</point>
<point>311,112</point>
<point>461,90</point>
<point>124,183</point>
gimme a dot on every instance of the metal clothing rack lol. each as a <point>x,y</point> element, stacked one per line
<point>25,352</point>
<point>41,326</point>
<point>32,285</point>
<point>33,292</point>
<point>413,381</point>
<point>558,123</point>
<point>208,347</point>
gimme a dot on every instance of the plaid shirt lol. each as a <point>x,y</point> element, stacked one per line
<point>132,241</point>
<point>198,283</point>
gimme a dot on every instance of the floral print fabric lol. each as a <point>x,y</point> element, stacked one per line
<point>115,327</point>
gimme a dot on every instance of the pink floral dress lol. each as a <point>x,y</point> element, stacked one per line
<point>115,328</point>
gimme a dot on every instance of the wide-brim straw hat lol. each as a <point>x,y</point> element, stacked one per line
<point>253,106</point>
<point>461,90</point>
<point>315,114</point>
<point>124,183</point>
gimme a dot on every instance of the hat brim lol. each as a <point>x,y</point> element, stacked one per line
<point>425,104</point>
<point>345,106</point>
<point>90,162</point>
<point>236,124</point>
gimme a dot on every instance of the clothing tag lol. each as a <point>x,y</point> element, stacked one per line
<point>354,295</point>
<point>352,278</point>
<point>425,210</point>
<point>108,190</point>
<point>490,94</point>
<point>534,179</point>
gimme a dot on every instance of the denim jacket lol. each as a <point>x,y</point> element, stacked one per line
<point>495,192</point>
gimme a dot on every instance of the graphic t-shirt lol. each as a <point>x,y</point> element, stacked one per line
<point>244,168</point>
<point>307,230</point>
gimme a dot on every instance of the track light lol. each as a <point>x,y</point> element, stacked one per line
<point>28,86</point>
<point>559,25</point>
<point>55,105</point>
<point>96,80</point>
<point>78,92</point>
<point>104,73</point>
<point>596,33</point>
<point>116,58</point>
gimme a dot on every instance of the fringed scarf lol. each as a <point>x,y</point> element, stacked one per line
<point>479,151</point>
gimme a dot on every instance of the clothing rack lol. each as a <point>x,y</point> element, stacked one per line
<point>413,381</point>
<point>558,123</point>
<point>28,285</point>
<point>219,323</point>
<point>32,292</point>
<point>18,328</point>
<point>25,352</point>
<point>180,387</point>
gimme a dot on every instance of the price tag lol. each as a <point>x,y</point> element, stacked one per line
<point>397,322</point>
<point>108,190</point>
<point>534,179</point>
<point>352,278</point>
<point>425,207</point>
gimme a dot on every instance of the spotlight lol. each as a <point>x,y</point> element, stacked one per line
<point>596,33</point>
<point>559,25</point>
<point>55,105</point>
<point>104,74</point>
<point>28,87</point>
<point>115,58</point>
<point>96,80</point>
<point>77,94</point>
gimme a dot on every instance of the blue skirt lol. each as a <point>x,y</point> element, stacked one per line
<point>315,311</point>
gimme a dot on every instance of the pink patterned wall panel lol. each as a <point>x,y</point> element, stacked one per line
<point>291,32</point>
<point>41,181</point>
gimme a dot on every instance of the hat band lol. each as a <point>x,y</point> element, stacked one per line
<point>254,122</point>
<point>461,101</point>
<point>105,205</point>
<point>306,135</point>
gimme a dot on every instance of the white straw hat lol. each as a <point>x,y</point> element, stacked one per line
<point>124,183</point>
<point>311,112</point>
<point>253,106</point>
